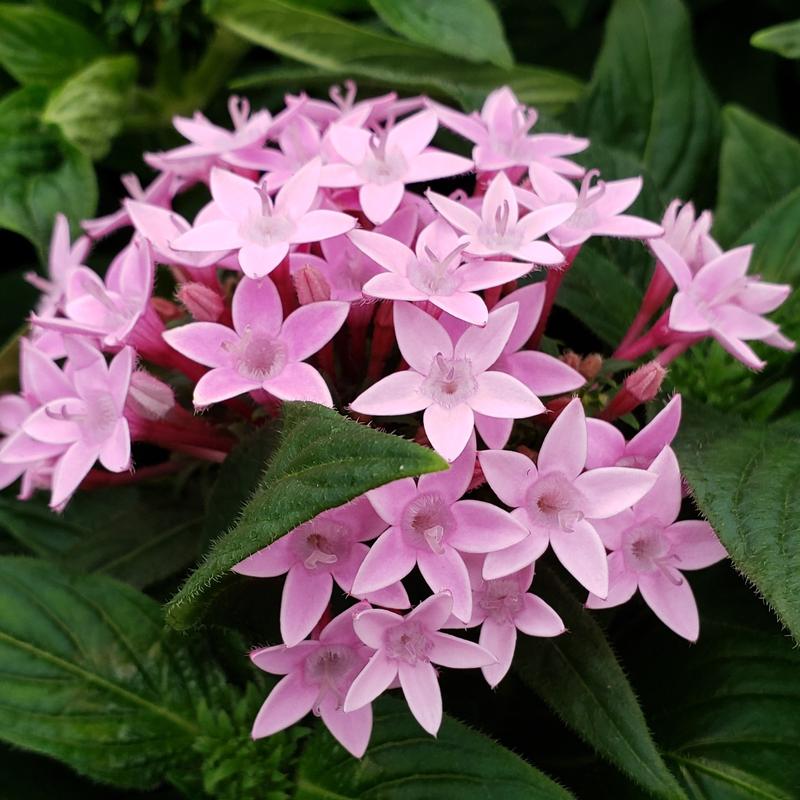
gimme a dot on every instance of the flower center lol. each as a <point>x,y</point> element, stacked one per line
<point>258,355</point>
<point>426,521</point>
<point>450,381</point>
<point>499,235</point>
<point>330,668</point>
<point>408,642</point>
<point>646,550</point>
<point>382,166</point>
<point>554,502</point>
<point>266,229</point>
<point>434,275</point>
<point>321,543</point>
<point>501,599</point>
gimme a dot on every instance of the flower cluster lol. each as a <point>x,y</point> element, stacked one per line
<point>314,272</point>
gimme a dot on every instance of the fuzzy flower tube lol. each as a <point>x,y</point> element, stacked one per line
<point>342,257</point>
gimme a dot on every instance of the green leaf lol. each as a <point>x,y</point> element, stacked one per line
<point>89,676</point>
<point>468,29</point>
<point>9,364</point>
<point>37,528</point>
<point>90,107</point>
<point>781,39</point>
<point>648,95</point>
<point>402,763</point>
<point>744,480</point>
<point>38,45</point>
<point>597,292</point>
<point>579,677</point>
<point>40,172</point>
<point>759,167</point>
<point>322,461</point>
<point>338,46</point>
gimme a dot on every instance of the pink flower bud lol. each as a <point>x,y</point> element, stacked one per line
<point>645,382</point>
<point>201,301</point>
<point>311,285</point>
<point>590,366</point>
<point>148,397</point>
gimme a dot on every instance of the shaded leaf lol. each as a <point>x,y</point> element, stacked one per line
<point>468,29</point>
<point>404,763</point>
<point>578,675</point>
<point>781,39</point>
<point>323,460</point>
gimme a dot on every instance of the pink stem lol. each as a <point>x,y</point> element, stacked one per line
<point>555,277</point>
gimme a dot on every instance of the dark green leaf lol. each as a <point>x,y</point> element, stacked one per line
<point>573,11</point>
<point>90,107</point>
<point>648,95</point>
<point>338,46</point>
<point>38,45</point>
<point>323,460</point>
<point>782,39</point>
<point>9,361</point>
<point>40,172</point>
<point>580,678</point>
<point>744,479</point>
<point>403,763</point>
<point>759,167</point>
<point>37,528</point>
<point>468,29</point>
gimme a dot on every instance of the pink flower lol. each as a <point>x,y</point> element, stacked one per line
<point>318,674</point>
<point>329,547</point>
<point>720,300</point>
<point>498,230</point>
<point>649,549</point>
<point>437,271</point>
<point>87,421</point>
<point>607,446</point>
<point>260,230</point>
<point>598,209</point>
<point>408,647</point>
<point>430,526</point>
<point>503,606</point>
<point>690,237</point>
<point>450,382</point>
<point>262,350</point>
<point>383,162</point>
<point>557,500</point>
<point>541,373</point>
<point>502,140</point>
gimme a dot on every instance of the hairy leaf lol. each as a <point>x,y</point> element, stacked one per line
<point>323,460</point>
<point>782,39</point>
<point>338,46</point>
<point>403,763</point>
<point>38,45</point>
<point>578,675</point>
<point>743,477</point>
<point>468,29</point>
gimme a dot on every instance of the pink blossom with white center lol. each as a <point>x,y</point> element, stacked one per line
<point>557,501</point>
<point>262,350</point>
<point>383,161</point>
<point>606,446</point>
<point>503,606</point>
<point>541,373</point>
<point>430,527</point>
<point>649,551</point>
<point>88,422</point>
<point>260,230</point>
<point>315,554</point>
<point>407,648</point>
<point>722,301</point>
<point>437,272</point>
<point>110,310</point>
<point>498,230</point>
<point>598,208</point>
<point>318,674</point>
<point>689,236</point>
<point>63,259</point>
<point>450,382</point>
<point>502,139</point>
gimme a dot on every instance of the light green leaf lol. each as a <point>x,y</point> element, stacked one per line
<point>90,107</point>
<point>781,39</point>
<point>649,97</point>
<point>41,173</point>
<point>743,478</point>
<point>468,29</point>
<point>38,45</point>
<point>578,675</point>
<point>322,461</point>
<point>403,763</point>
<point>338,46</point>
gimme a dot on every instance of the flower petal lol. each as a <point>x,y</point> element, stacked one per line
<point>536,618</point>
<point>290,700</point>
<point>621,584</point>
<point>543,374</point>
<point>221,384</point>
<point>672,603</point>
<point>206,343</point>
<point>421,689</point>
<point>695,543</point>
<point>453,482</point>
<point>510,474</point>
<point>306,594</point>
<point>309,328</point>
<point>389,560</point>
<point>463,305</point>
<point>256,305</point>
<point>564,447</point>
<point>380,201</point>
<point>372,624</point>
<point>448,429</point>
<point>322,224</point>
<point>372,681</point>
<point>420,337</point>
<point>384,250</point>
<point>483,346</point>
<point>605,444</point>
<point>258,260</point>
<point>500,639</point>
<point>447,572</point>
<point>582,553</point>
<point>450,651</point>
<point>483,527</point>
<point>390,500</point>
<point>352,730</point>
<point>269,562</point>
<point>398,393</point>
<point>609,490</point>
<point>501,395</point>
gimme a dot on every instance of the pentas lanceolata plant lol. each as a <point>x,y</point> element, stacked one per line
<point>323,267</point>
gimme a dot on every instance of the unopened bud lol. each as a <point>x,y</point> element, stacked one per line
<point>590,366</point>
<point>646,381</point>
<point>166,309</point>
<point>311,285</point>
<point>571,359</point>
<point>148,397</point>
<point>201,301</point>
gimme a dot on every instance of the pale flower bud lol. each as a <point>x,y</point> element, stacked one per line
<point>311,285</point>
<point>148,397</point>
<point>201,301</point>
